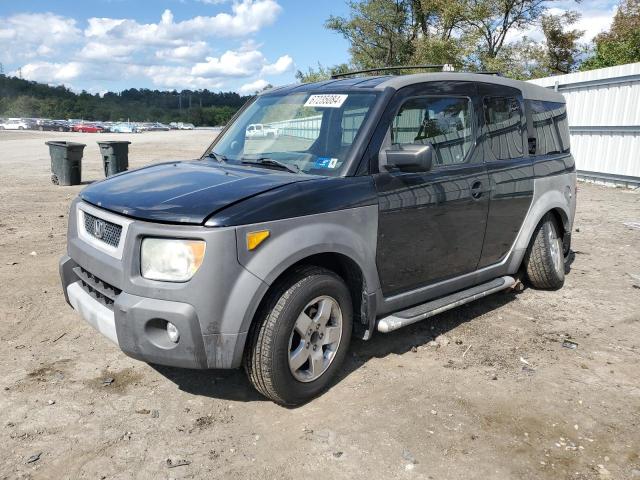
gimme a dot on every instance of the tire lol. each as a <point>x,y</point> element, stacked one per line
<point>544,260</point>
<point>276,347</point>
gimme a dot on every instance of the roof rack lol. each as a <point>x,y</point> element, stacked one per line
<point>443,68</point>
<point>386,69</point>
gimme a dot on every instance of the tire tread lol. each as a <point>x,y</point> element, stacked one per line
<point>539,263</point>
<point>257,358</point>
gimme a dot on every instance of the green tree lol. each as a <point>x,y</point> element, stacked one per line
<point>621,44</point>
<point>380,32</point>
<point>321,73</point>
<point>385,33</point>
<point>562,48</point>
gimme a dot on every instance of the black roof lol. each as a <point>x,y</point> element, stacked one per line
<point>380,82</point>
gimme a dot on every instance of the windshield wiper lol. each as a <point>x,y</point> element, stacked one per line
<point>270,162</point>
<point>217,156</point>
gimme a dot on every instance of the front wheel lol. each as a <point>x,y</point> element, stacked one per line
<point>300,337</point>
<point>545,257</point>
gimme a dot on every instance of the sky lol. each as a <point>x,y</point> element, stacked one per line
<point>221,45</point>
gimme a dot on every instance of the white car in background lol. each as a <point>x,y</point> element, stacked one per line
<point>123,128</point>
<point>14,124</point>
<point>258,130</point>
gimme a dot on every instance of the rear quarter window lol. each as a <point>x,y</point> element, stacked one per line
<point>550,127</point>
<point>504,127</point>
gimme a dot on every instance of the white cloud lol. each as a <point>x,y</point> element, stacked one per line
<point>177,77</point>
<point>109,53</point>
<point>594,19</point>
<point>191,51</point>
<point>248,16</point>
<point>282,65</point>
<point>27,35</point>
<point>51,72</point>
<point>594,23</point>
<point>230,64</point>
<point>253,87</point>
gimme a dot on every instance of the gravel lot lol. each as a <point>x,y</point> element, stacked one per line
<point>498,397</point>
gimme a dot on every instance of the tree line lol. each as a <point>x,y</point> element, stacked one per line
<point>479,35</point>
<point>23,98</point>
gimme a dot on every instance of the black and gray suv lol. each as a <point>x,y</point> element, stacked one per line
<point>382,200</point>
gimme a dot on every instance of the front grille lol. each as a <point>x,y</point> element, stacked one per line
<point>102,230</point>
<point>97,288</point>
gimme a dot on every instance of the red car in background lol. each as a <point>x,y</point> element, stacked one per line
<point>87,128</point>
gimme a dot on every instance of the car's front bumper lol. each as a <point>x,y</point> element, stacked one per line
<point>212,311</point>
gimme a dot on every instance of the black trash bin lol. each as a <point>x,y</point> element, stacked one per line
<point>66,162</point>
<point>115,157</point>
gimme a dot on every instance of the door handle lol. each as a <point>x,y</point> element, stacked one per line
<point>476,189</point>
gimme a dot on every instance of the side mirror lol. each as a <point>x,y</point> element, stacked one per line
<point>410,157</point>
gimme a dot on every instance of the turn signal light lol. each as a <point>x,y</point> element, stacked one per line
<point>256,238</point>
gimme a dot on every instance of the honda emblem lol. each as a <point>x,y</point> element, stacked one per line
<point>98,228</point>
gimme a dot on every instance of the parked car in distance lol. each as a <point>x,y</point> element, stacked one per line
<point>391,199</point>
<point>181,126</point>
<point>53,125</point>
<point>87,128</point>
<point>15,124</point>
<point>156,127</point>
<point>123,128</point>
<point>258,130</point>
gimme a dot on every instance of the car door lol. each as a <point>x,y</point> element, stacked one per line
<point>510,168</point>
<point>431,223</point>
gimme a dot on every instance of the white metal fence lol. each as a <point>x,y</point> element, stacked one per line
<point>604,121</point>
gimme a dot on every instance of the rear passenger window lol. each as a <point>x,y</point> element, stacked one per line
<point>444,122</point>
<point>504,127</point>
<point>550,127</point>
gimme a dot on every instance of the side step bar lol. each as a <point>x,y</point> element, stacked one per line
<point>415,314</point>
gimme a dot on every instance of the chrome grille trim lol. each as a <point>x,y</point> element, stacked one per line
<point>84,214</point>
<point>111,232</point>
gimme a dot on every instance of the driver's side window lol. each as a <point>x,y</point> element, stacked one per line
<point>444,122</point>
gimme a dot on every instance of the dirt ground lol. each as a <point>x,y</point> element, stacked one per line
<point>503,399</point>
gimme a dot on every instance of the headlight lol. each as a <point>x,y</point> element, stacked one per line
<point>170,260</point>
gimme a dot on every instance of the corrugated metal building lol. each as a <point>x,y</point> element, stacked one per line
<point>604,121</point>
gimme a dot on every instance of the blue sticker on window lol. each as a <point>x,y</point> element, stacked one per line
<point>326,162</point>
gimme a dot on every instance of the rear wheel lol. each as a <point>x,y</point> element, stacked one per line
<point>545,257</point>
<point>301,336</point>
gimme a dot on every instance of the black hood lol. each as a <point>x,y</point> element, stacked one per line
<point>183,192</point>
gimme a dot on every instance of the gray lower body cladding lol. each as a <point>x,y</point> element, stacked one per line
<point>212,311</point>
<point>208,310</point>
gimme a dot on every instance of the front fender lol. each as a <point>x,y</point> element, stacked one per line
<point>351,232</point>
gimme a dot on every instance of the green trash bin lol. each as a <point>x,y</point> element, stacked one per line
<point>115,157</point>
<point>66,162</point>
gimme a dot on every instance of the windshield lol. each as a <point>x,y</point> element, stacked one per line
<point>300,132</point>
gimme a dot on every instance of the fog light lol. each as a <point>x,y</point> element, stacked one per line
<point>172,332</point>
